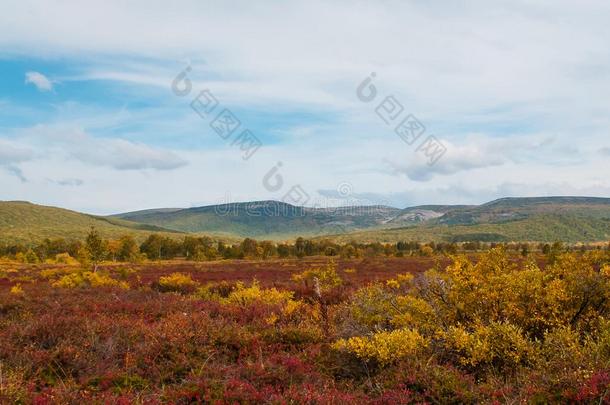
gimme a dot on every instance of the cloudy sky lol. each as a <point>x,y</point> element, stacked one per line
<point>94,114</point>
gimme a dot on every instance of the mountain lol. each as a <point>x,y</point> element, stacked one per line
<point>512,209</point>
<point>570,219</point>
<point>423,213</point>
<point>24,222</point>
<point>266,219</point>
<point>546,219</point>
<point>538,218</point>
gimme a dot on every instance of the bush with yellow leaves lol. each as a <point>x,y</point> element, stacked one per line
<point>494,313</point>
<point>16,289</point>
<point>177,282</point>
<point>327,277</point>
<point>380,307</point>
<point>498,345</point>
<point>65,258</point>
<point>243,295</point>
<point>80,279</point>
<point>55,272</point>
<point>370,308</point>
<point>384,347</point>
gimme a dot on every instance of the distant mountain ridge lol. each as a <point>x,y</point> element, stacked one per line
<point>270,219</point>
<point>571,219</point>
<point>276,220</point>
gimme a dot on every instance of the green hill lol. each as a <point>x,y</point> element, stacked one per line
<point>570,219</point>
<point>511,209</point>
<point>539,228</point>
<point>540,218</point>
<point>265,219</point>
<point>24,222</point>
<point>544,219</point>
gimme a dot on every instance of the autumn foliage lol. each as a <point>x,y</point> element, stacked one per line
<point>491,327</point>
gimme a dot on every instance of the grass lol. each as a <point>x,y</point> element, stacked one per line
<point>23,222</point>
<point>570,228</point>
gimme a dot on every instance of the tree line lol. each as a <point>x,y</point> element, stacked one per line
<point>95,249</point>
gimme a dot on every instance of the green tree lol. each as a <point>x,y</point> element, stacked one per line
<point>249,248</point>
<point>96,247</point>
<point>299,247</point>
<point>153,247</point>
<point>128,249</point>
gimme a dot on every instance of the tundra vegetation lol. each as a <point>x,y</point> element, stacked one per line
<point>98,322</point>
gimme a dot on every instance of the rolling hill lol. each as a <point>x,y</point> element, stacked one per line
<point>545,219</point>
<point>538,218</point>
<point>266,219</point>
<point>570,219</point>
<point>24,222</point>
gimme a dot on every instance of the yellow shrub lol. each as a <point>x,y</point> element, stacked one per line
<point>272,319</point>
<point>393,284</point>
<point>405,278</point>
<point>562,346</point>
<point>65,258</point>
<point>499,344</point>
<point>54,272</point>
<point>414,312</point>
<point>327,277</point>
<point>372,307</point>
<point>243,295</point>
<point>88,279</point>
<point>17,290</point>
<point>292,307</point>
<point>426,251</point>
<point>605,270</point>
<point>177,282</point>
<point>384,347</point>
<point>101,280</point>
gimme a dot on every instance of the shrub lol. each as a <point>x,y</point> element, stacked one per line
<point>327,277</point>
<point>370,308</point>
<point>384,347</point>
<point>215,291</point>
<point>499,345</point>
<point>426,251</point>
<point>65,258</point>
<point>177,282</point>
<point>17,290</point>
<point>243,295</point>
<point>28,257</point>
<point>88,279</point>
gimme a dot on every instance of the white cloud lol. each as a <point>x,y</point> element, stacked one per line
<point>71,182</point>
<point>12,152</point>
<point>39,80</point>
<point>481,152</point>
<point>116,153</point>
<point>122,154</point>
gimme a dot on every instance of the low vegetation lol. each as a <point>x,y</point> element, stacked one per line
<point>488,326</point>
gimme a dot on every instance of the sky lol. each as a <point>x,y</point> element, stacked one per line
<point>123,106</point>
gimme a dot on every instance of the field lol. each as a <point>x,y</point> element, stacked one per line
<point>487,327</point>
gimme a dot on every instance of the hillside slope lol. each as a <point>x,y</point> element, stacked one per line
<point>265,219</point>
<point>24,222</point>
<point>540,219</point>
<point>570,219</point>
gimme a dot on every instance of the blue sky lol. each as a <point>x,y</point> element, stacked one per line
<point>517,95</point>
